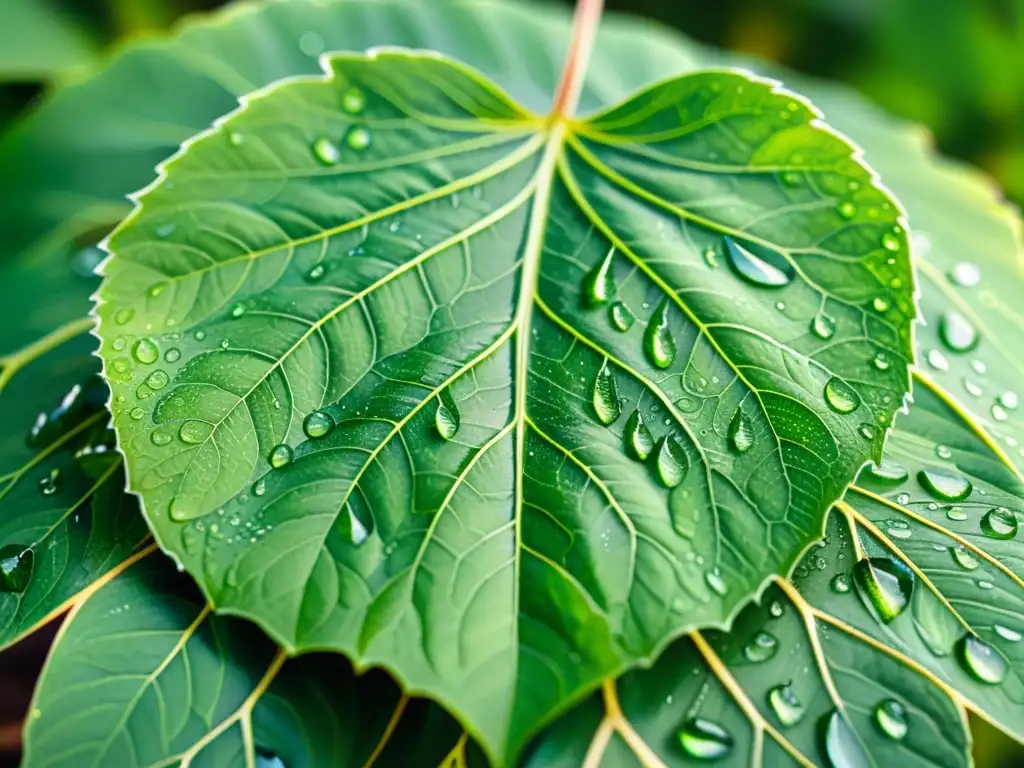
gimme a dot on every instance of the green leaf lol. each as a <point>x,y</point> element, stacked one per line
<point>320,268</point>
<point>144,675</point>
<point>38,41</point>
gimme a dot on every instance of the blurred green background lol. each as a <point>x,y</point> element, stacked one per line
<point>955,66</point>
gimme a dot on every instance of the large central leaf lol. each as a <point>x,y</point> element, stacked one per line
<point>501,402</point>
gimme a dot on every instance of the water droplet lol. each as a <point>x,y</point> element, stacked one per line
<point>711,258</point>
<point>326,151</point>
<point>937,360</point>
<point>157,379</point>
<point>156,289</point>
<point>759,265</point>
<point>891,717</point>
<point>888,472</point>
<point>964,558</point>
<point>200,335</point>
<point>891,241</point>
<point>599,285</point>
<point>999,523</point>
<point>672,462</point>
<point>957,333</point>
<point>622,317</point>
<point>172,355</point>
<point>840,396</point>
<point>1008,400</point>
<point>1009,635</point>
<point>159,437</point>
<point>123,316</point>
<point>741,433</point>
<point>358,138</point>
<point>786,705</point>
<point>704,740</point>
<point>606,396</point>
<point>146,351</point>
<point>259,487</point>
<point>885,585</point>
<point>238,310</point>
<point>840,583</point>
<point>944,485</point>
<point>136,413</point>
<point>881,361</point>
<point>48,483</point>
<point>658,342</point>
<point>195,432</point>
<point>761,647</point>
<point>447,419</point>
<point>823,326</point>
<point>984,662</point>
<point>638,437</point>
<point>955,513</point>
<point>280,456</point>
<point>965,274</point>
<point>881,304</point>
<point>846,210</point>
<point>353,101</point>
<point>842,745</point>
<point>998,413</point>
<point>316,273</point>
<point>15,567</point>
<point>318,424</point>
<point>716,582</point>
<point>358,531</point>
<point>775,609</point>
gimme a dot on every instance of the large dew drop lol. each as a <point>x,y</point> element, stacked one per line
<point>353,101</point>
<point>704,740</point>
<point>317,424</point>
<point>786,705</point>
<point>840,396</point>
<point>622,317</point>
<point>195,432</point>
<point>658,342</point>
<point>957,333</point>
<point>15,567</point>
<point>358,138</point>
<point>759,265</point>
<point>945,485</point>
<point>146,351</point>
<point>842,745</point>
<point>639,441</point>
<point>761,647</point>
<point>741,433</point>
<point>891,717</point>
<point>999,523</point>
<point>598,285</point>
<point>606,396</point>
<point>981,660</point>
<point>447,419</point>
<point>326,151</point>
<point>672,462</point>
<point>885,585</point>
<point>888,472</point>
<point>280,456</point>
<point>823,326</point>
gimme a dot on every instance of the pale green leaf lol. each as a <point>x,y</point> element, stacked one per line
<point>39,40</point>
<point>144,675</point>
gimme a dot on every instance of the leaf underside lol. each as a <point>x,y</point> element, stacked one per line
<point>504,406</point>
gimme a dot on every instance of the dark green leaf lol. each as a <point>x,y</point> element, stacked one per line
<point>144,675</point>
<point>319,269</point>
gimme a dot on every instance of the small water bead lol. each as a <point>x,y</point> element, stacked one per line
<point>48,483</point>
<point>759,265</point>
<point>638,437</point>
<point>136,413</point>
<point>775,609</point>
<point>979,367</point>
<point>956,513</point>
<point>658,342</point>
<point>224,343</point>
<point>999,523</point>
<point>889,472</point>
<point>1009,635</point>
<point>598,284</point>
<point>891,717</point>
<point>840,584</point>
<point>671,461</point>
<point>716,582</point>
<point>840,396</point>
<point>358,138</point>
<point>885,584</point>
<point>238,310</point>
<point>447,418</point>
<point>964,558</point>
<point>195,432</point>
<point>1008,400</point>
<point>965,274</point>
<point>156,289</point>
<point>981,660</point>
<point>846,210</point>
<point>891,241</point>
<point>983,584</point>
<point>943,452</point>
<point>786,705</point>
<point>867,431</point>
<point>119,343</point>
<point>823,326</point>
<point>236,139</point>
<point>123,316</point>
<point>711,258</point>
<point>972,389</point>
<point>317,424</point>
<point>157,379</point>
<point>957,333</point>
<point>15,567</point>
<point>704,740</point>
<point>316,273</point>
<point>280,456</point>
<point>326,151</point>
<point>200,335</point>
<point>881,361</point>
<point>605,396</point>
<point>761,647</point>
<point>146,351</point>
<point>165,230</point>
<point>842,745</point>
<point>937,360</point>
<point>259,487</point>
<point>172,355</point>
<point>944,485</point>
<point>790,178</point>
<point>741,433</point>
<point>881,304</point>
<point>160,438</point>
<point>622,317</point>
<point>353,101</point>
<point>998,413</point>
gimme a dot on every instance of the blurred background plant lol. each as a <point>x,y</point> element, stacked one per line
<point>954,66</point>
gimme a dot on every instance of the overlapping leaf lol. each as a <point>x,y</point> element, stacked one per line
<point>182,687</point>
<point>403,370</point>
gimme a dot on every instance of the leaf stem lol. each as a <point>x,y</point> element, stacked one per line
<point>584,30</point>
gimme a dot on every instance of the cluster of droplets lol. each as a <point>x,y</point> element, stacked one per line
<point>357,137</point>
